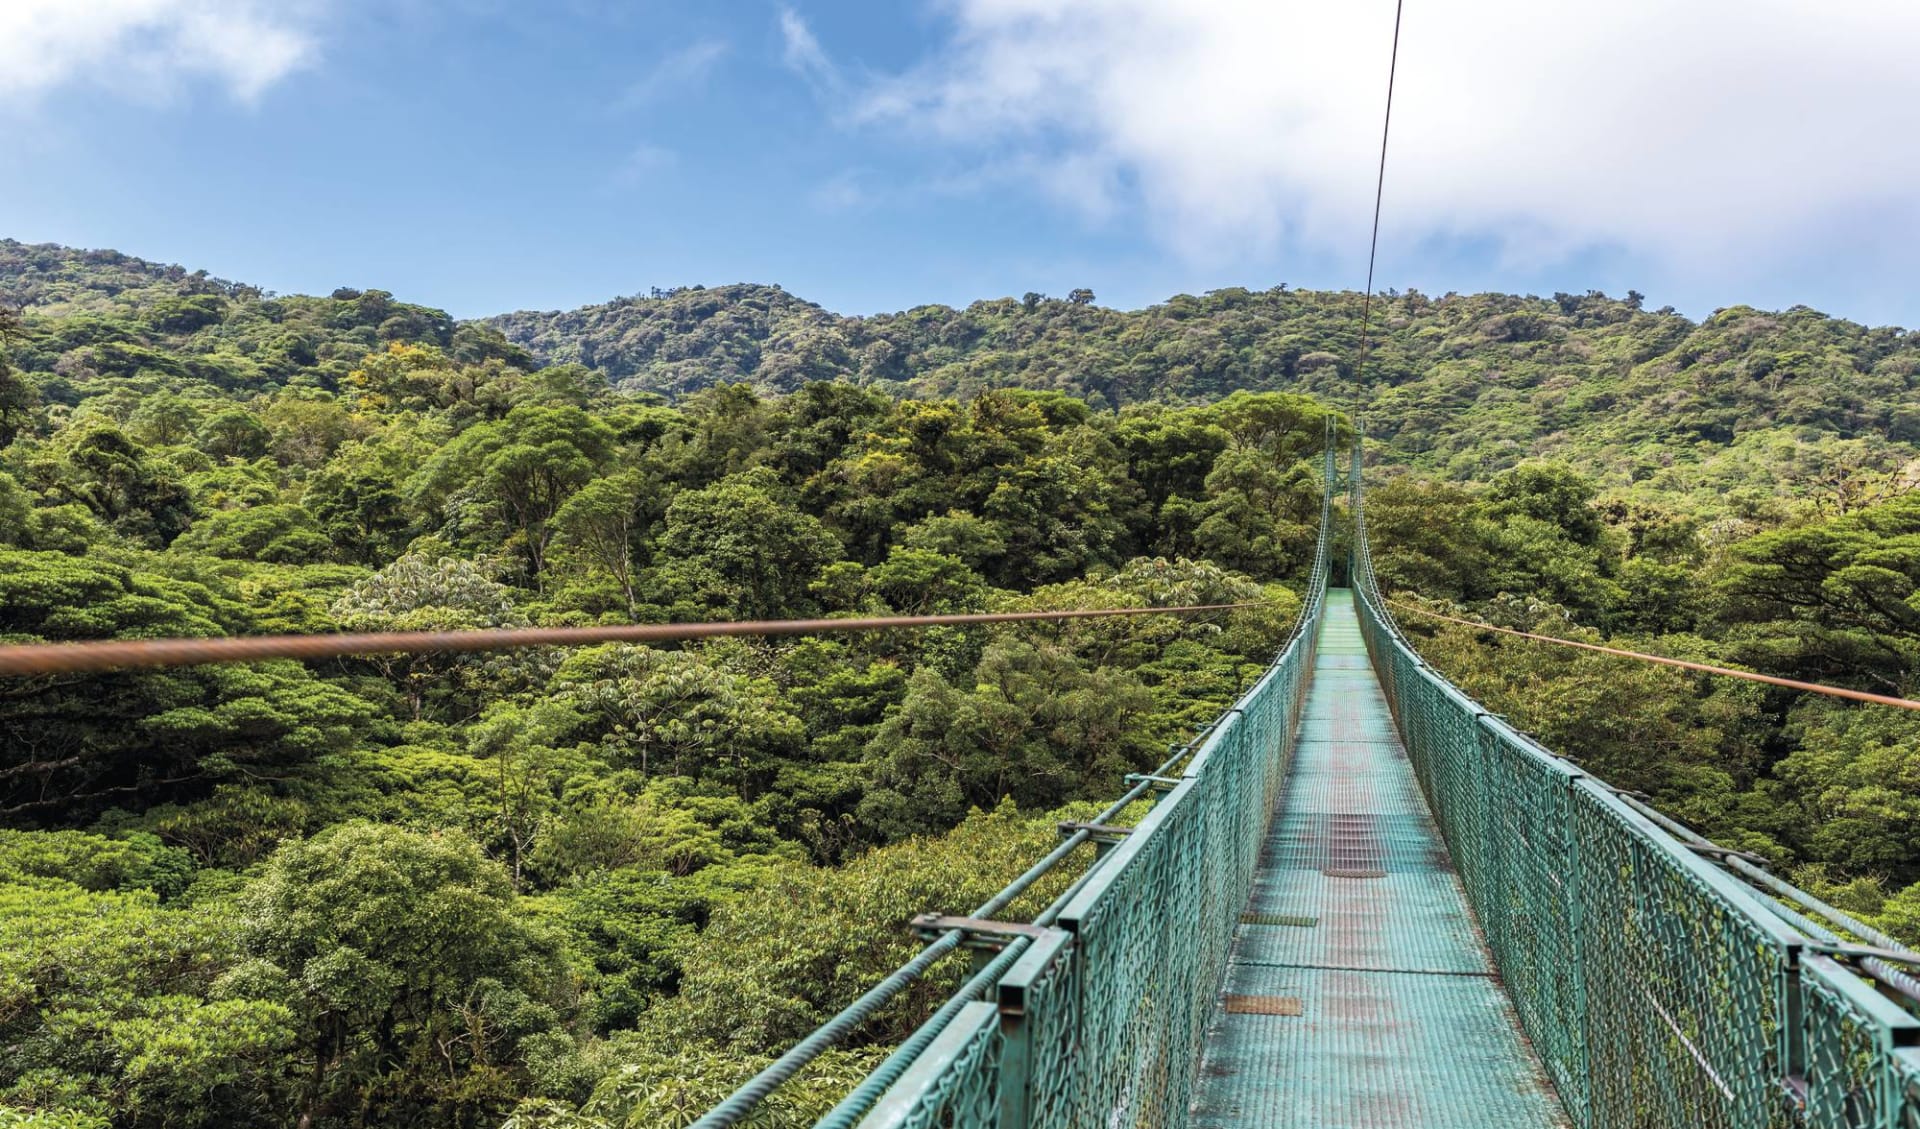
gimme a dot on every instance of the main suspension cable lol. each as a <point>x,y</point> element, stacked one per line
<point>1683,664</point>
<point>1379,196</point>
<point>26,659</point>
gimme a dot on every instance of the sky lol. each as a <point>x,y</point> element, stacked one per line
<point>490,155</point>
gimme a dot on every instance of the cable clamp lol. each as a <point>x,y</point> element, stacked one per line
<point>1098,832</point>
<point>1160,783</point>
<point>982,933</point>
<point>1626,793</point>
<point>1723,853</point>
<point>1860,952</point>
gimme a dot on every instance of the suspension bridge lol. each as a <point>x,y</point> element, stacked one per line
<point>1361,900</point>
<point>1356,899</point>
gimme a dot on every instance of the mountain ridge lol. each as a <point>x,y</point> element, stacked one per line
<point>1464,384</point>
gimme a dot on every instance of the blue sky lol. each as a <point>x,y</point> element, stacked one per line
<point>487,155</point>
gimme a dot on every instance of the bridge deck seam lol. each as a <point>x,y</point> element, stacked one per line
<point>1356,968</point>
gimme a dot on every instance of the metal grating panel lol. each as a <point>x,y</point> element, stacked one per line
<point>1401,1022</point>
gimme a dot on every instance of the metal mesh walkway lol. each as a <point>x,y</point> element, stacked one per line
<point>1358,993</point>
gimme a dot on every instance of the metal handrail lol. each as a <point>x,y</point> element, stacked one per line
<point>1730,995</point>
<point>738,1107</point>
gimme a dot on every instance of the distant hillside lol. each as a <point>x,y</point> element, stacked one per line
<point>101,314</point>
<point>1461,384</point>
<point>1467,384</point>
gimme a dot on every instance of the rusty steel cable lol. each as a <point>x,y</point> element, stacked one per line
<point>27,659</point>
<point>1683,664</point>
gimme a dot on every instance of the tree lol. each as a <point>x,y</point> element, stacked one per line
<point>1833,600</point>
<point>1261,516</point>
<point>164,420</point>
<point>358,500</point>
<point>18,397</point>
<point>277,533</point>
<point>1285,426</point>
<point>737,547</point>
<point>96,465</point>
<point>396,947</point>
<point>1080,296</point>
<point>420,592</point>
<point>670,711</point>
<point>1032,725</point>
<point>72,745</point>
<point>120,1006</point>
<point>234,434</point>
<point>526,466</point>
<point>307,429</point>
<point>599,526</point>
<point>1548,492</point>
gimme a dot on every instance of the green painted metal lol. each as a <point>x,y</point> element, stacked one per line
<point>1364,939</point>
<point>1659,987</point>
<point>1101,1023</point>
<point>1400,1021</point>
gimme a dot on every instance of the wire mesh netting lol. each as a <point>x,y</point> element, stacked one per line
<point>1660,983</point>
<point>1658,988</point>
<point>1100,1019</point>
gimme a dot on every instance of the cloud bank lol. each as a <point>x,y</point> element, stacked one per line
<point>1701,136</point>
<point>148,48</point>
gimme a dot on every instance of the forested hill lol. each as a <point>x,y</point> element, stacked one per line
<point>1464,385</point>
<point>599,888</point>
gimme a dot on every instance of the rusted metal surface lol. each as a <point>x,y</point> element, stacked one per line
<point>1262,1005</point>
<point>28,659</point>
<point>1662,660</point>
<point>1294,920</point>
<point>933,924</point>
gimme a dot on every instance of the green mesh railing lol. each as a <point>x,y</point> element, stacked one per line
<point>1093,1013</point>
<point>1662,981</point>
<point>1099,1016</point>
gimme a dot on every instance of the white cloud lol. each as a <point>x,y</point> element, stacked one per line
<point>643,164</point>
<point>803,55</point>
<point>684,68</point>
<point>845,191</point>
<point>147,48</point>
<point>1709,132</point>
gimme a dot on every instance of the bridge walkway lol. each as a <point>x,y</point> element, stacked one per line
<point>1359,992</point>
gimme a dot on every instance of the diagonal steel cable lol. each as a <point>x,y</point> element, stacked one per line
<point>23,659</point>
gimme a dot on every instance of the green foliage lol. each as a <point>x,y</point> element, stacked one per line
<point>770,968</point>
<point>671,712</point>
<point>599,889</point>
<point>1837,600</point>
<point>1034,726</point>
<point>94,862</point>
<point>522,469</point>
<point>114,1006</point>
<point>737,545</point>
<point>275,533</point>
<point>73,746</point>
<point>395,947</point>
<point>421,592</point>
<point>1463,384</point>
